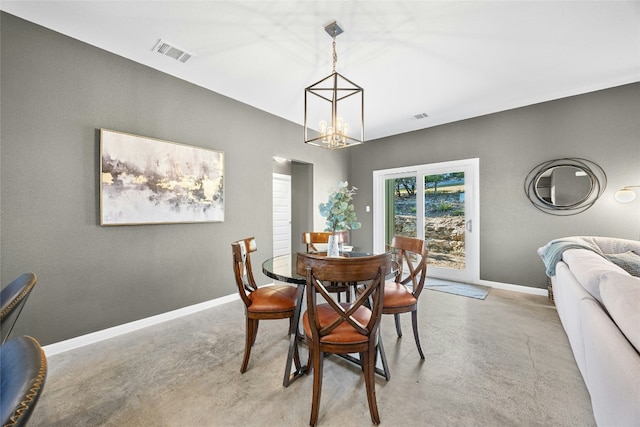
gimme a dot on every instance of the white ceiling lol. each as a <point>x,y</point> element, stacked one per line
<point>450,59</point>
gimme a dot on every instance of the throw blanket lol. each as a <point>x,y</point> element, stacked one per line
<point>552,252</point>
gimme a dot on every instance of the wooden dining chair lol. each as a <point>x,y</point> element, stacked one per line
<point>12,300</point>
<point>343,328</point>
<point>411,256</point>
<point>313,240</point>
<point>261,303</point>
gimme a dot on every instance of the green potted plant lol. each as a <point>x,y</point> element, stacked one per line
<point>340,214</point>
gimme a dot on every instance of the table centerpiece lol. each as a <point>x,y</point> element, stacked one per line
<point>340,214</point>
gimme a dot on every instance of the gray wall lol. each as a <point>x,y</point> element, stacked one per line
<point>56,95</point>
<point>603,127</point>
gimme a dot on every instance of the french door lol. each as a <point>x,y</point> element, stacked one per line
<point>437,202</point>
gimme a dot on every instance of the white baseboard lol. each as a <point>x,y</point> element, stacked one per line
<point>94,337</point>
<point>115,331</point>
<point>514,288</point>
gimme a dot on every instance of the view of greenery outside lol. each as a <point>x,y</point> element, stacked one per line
<point>444,216</point>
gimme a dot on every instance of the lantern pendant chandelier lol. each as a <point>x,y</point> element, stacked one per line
<point>335,105</point>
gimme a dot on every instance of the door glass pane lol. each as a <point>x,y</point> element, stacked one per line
<point>401,208</point>
<point>444,213</point>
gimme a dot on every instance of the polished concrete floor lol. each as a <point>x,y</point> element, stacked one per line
<point>502,361</point>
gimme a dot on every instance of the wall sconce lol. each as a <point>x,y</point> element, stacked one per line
<point>626,194</point>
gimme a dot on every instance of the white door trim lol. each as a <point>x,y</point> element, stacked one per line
<point>472,213</point>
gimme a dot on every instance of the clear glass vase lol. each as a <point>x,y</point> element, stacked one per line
<point>334,245</point>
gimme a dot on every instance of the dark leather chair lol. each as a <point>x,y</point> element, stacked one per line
<point>12,300</point>
<point>261,303</point>
<point>343,328</point>
<point>411,255</point>
<point>313,238</point>
<point>23,370</point>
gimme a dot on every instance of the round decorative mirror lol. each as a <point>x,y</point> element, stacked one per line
<point>565,186</point>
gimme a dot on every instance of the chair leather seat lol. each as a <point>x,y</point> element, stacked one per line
<point>397,295</point>
<point>273,298</point>
<point>344,333</point>
<point>23,371</point>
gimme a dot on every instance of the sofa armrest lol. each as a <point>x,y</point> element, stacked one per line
<point>612,369</point>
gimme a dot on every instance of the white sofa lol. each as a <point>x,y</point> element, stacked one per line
<point>598,303</point>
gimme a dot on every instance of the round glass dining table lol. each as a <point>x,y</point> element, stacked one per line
<point>283,267</point>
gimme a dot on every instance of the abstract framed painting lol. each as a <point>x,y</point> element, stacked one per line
<point>150,181</point>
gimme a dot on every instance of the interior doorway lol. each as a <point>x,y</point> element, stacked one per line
<point>281,214</point>
<point>292,205</point>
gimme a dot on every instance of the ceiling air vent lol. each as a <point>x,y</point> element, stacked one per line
<point>168,49</point>
<point>420,116</point>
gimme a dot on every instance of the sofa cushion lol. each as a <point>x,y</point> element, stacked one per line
<point>588,266</point>
<point>621,297</point>
<point>629,261</point>
<point>612,245</point>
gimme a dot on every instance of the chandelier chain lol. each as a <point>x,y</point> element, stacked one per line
<point>335,54</point>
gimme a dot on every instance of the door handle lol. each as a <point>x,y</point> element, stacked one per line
<point>469,226</point>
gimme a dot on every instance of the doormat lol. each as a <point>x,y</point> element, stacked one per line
<point>456,288</point>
